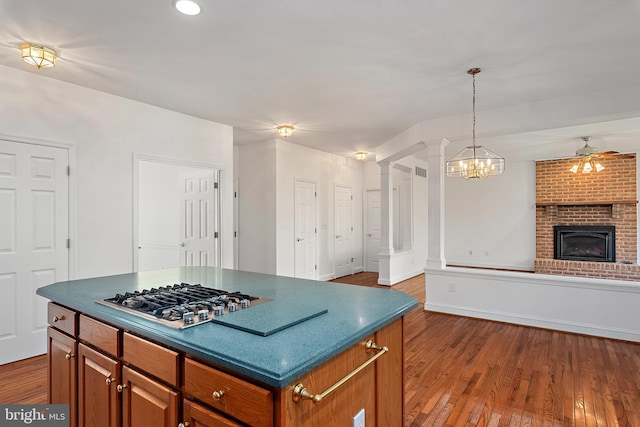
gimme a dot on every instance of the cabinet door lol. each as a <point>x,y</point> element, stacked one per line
<point>98,399</point>
<point>62,371</point>
<point>146,402</point>
<point>198,416</point>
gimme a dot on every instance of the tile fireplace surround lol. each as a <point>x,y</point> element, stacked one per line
<point>605,198</point>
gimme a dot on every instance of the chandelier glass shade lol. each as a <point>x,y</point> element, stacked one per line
<point>285,130</point>
<point>586,165</point>
<point>475,161</point>
<point>38,56</point>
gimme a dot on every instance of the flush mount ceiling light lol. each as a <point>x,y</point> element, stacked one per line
<point>285,130</point>
<point>361,155</point>
<point>475,161</point>
<point>38,56</point>
<point>188,7</point>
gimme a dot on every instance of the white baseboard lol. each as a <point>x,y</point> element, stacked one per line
<point>578,328</point>
<point>397,279</point>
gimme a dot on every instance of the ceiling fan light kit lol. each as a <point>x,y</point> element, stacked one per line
<point>587,158</point>
<point>475,161</point>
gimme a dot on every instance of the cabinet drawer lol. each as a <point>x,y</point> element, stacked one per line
<point>62,319</point>
<point>152,358</point>
<point>100,335</point>
<point>199,416</point>
<point>242,400</point>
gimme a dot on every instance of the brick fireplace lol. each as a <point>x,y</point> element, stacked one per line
<point>607,198</point>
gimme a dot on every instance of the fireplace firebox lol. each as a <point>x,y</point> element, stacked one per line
<point>584,243</point>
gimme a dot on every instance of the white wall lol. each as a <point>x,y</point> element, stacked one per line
<point>327,170</point>
<point>105,132</point>
<point>492,222</point>
<point>257,207</point>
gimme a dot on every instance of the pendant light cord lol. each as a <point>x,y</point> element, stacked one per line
<point>473,76</point>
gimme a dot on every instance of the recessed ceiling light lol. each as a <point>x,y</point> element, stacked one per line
<point>188,7</point>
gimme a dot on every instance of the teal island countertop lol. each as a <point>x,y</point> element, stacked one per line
<point>353,313</point>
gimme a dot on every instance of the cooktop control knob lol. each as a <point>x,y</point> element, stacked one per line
<point>218,310</point>
<point>232,307</point>
<point>203,314</point>
<point>188,318</point>
<point>245,303</point>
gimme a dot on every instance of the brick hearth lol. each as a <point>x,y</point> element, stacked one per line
<point>605,198</point>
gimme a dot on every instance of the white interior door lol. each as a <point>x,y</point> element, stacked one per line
<point>34,225</point>
<point>372,230</point>
<point>343,231</point>
<point>305,229</point>
<point>200,219</point>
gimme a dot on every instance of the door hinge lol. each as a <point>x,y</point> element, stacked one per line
<point>315,194</point>
<point>352,228</point>
<point>215,234</point>
<point>68,170</point>
<point>351,259</point>
<point>215,185</point>
<point>315,230</point>
<point>351,197</point>
<point>235,234</point>
<point>316,266</point>
<point>235,194</point>
<point>68,243</point>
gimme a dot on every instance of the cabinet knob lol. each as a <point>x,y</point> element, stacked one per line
<point>217,395</point>
<point>56,318</point>
<point>121,387</point>
<point>68,356</point>
<point>185,424</point>
<point>109,380</point>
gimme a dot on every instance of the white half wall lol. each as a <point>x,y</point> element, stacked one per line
<point>105,132</point>
<point>600,307</point>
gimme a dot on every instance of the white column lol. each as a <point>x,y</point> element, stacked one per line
<point>386,223</point>
<point>436,176</point>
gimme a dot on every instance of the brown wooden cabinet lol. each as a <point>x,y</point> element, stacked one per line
<point>62,350</point>
<point>195,415</point>
<point>120,379</point>
<point>98,397</point>
<point>146,402</point>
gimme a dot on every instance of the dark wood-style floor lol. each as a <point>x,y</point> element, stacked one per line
<point>468,372</point>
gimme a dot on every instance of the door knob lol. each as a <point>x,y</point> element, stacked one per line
<point>298,239</point>
<point>369,234</point>
<point>182,245</point>
<point>338,236</point>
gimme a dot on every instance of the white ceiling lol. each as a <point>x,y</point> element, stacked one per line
<point>349,75</point>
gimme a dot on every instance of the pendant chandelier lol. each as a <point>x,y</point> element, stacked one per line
<point>475,161</point>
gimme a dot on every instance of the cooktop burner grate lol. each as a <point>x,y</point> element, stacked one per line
<point>182,305</point>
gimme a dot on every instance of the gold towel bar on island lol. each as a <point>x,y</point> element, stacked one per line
<point>300,392</point>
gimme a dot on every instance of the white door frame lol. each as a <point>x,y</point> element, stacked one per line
<point>365,224</point>
<point>136,159</point>
<point>315,248</point>
<point>39,320</point>
<point>351,254</point>
<point>72,215</point>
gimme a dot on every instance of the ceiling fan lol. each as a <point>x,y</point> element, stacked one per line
<point>588,150</point>
<point>589,157</point>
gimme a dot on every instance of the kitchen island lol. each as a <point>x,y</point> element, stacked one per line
<point>318,334</point>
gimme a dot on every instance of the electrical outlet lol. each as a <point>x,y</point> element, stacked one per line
<point>358,420</point>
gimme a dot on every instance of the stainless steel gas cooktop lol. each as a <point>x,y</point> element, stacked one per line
<point>183,305</point>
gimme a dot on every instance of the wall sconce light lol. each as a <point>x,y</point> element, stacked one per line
<point>361,155</point>
<point>38,56</point>
<point>285,130</point>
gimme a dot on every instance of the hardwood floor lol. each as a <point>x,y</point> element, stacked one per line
<point>467,372</point>
<point>461,371</point>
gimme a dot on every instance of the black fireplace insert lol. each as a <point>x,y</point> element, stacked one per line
<point>584,243</point>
